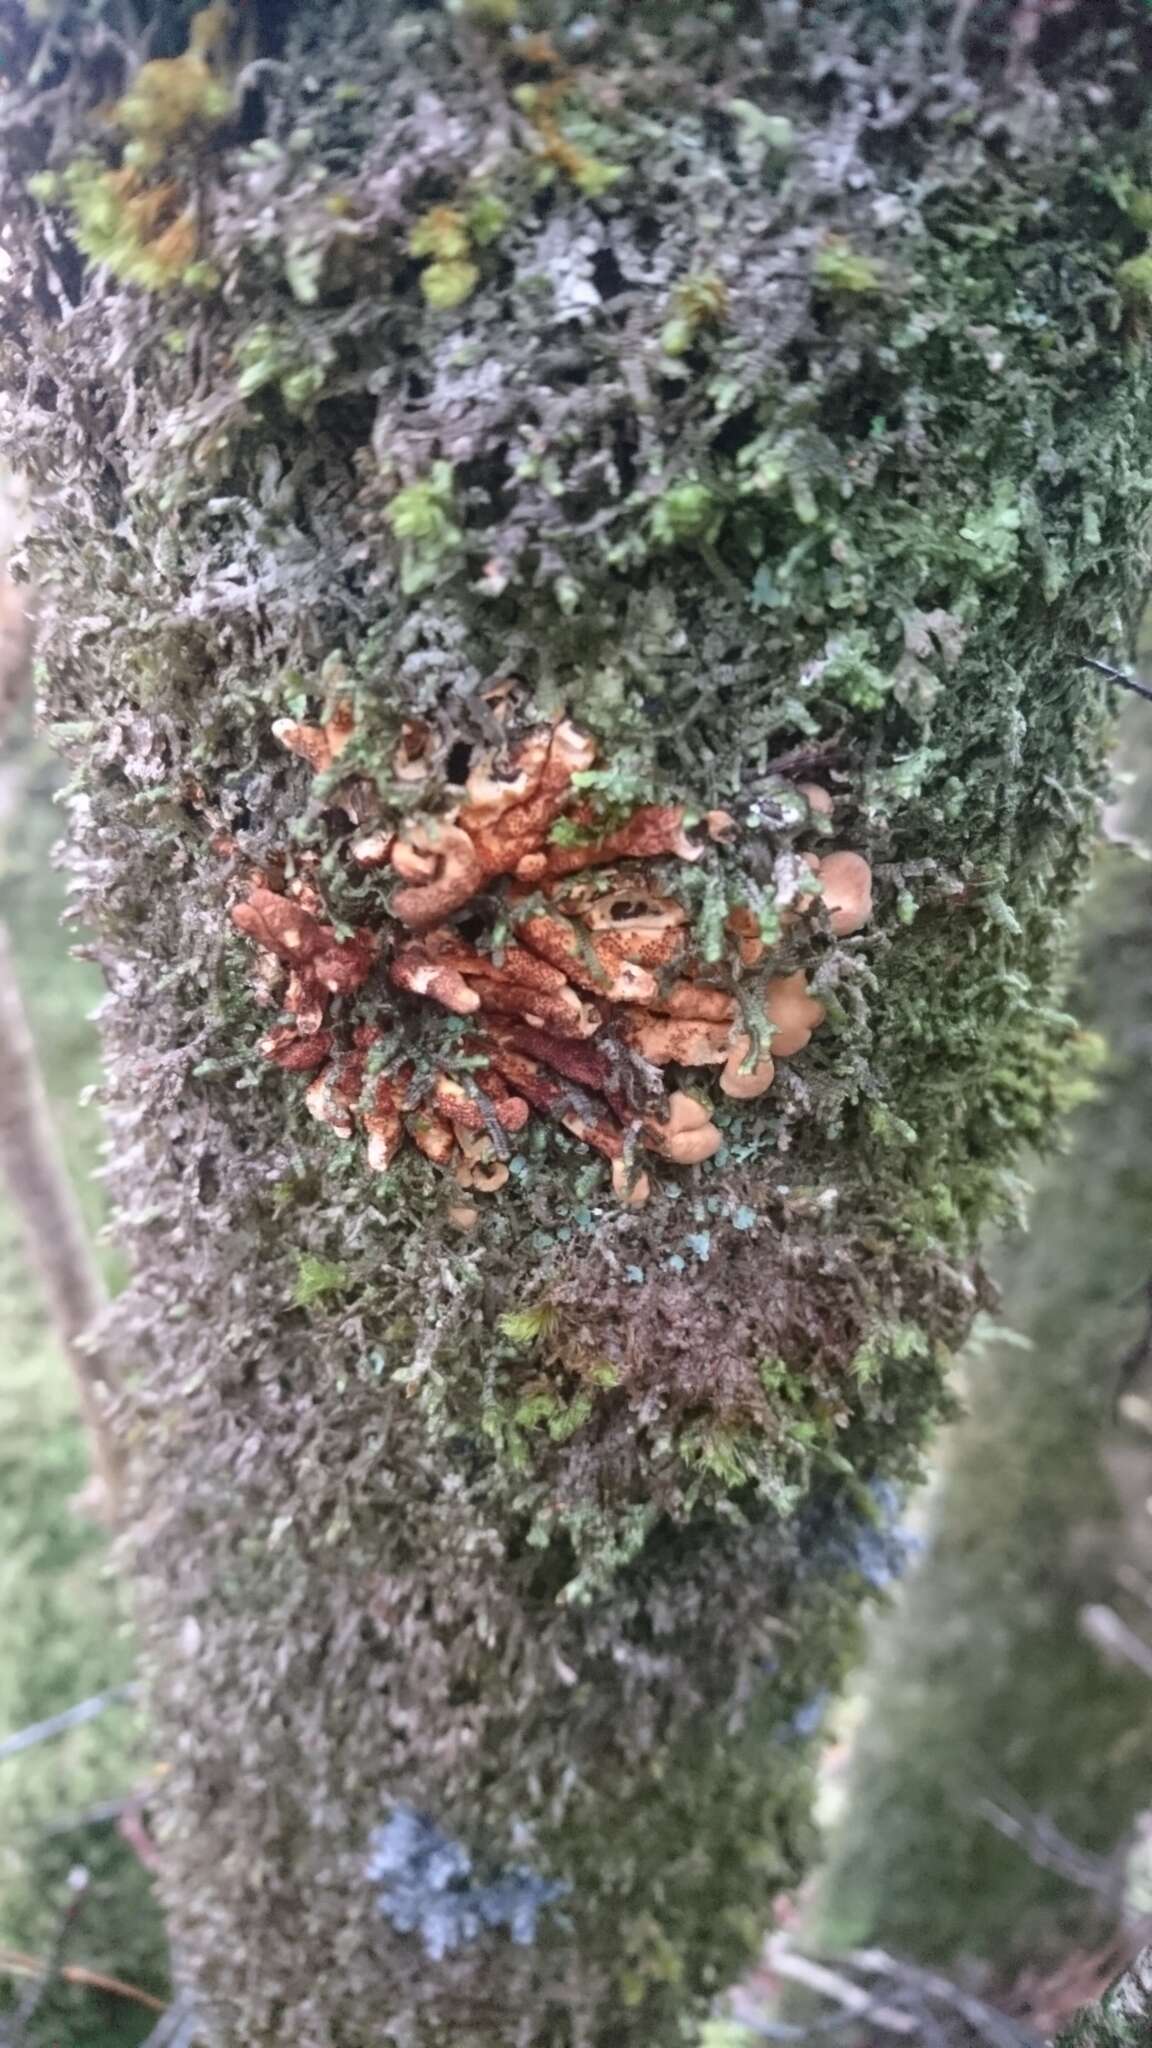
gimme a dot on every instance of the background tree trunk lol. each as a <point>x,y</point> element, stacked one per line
<point>771,395</point>
<point>1121,2019</point>
<point>984,1690</point>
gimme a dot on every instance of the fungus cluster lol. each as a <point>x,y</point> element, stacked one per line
<point>553,934</point>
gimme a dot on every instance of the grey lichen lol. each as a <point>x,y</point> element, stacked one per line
<point>426,1885</point>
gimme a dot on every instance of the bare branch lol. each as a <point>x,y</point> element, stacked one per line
<point>901,2004</point>
<point>830,1983</point>
<point>71,1717</point>
<point>1044,1845</point>
<point>1103,1626</point>
<point>101,1815</point>
<point>52,1966</point>
<point>986,2023</point>
<point>178,2028</point>
<point>14,1963</point>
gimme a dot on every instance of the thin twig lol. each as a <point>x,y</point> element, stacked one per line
<point>858,2004</point>
<point>901,2003</point>
<point>14,1963</point>
<point>70,1717</point>
<point>962,13</point>
<point>991,2026</point>
<point>178,2027</point>
<point>98,1816</point>
<point>51,1967</point>
<point>1045,1846</point>
<point>1103,1626</point>
<point>1117,675</point>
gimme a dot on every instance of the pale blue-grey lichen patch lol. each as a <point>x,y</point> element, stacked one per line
<point>428,1886</point>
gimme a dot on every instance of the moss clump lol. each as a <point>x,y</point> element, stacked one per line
<point>421,518</point>
<point>838,267</point>
<point>317,1277</point>
<point>171,96</point>
<point>450,277</point>
<point>145,234</point>
<point>273,357</point>
<point>684,512</point>
<point>1134,278</point>
<point>697,303</point>
<point>141,226</point>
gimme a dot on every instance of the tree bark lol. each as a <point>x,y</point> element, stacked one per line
<point>767,394</point>
<point>1122,2018</point>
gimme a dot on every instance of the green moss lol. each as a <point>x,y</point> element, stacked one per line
<point>1008,1701</point>
<point>448,284</point>
<point>525,1325</point>
<point>441,233</point>
<point>144,234</point>
<point>697,303</point>
<point>684,512</point>
<point>838,267</point>
<point>1134,278</point>
<point>489,13</point>
<point>317,1277</point>
<point>420,516</point>
<point>168,96</point>
<point>274,357</point>
<point>487,216</point>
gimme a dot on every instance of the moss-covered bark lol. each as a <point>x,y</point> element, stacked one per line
<point>983,1686</point>
<point>771,396</point>
<point>1123,2018</point>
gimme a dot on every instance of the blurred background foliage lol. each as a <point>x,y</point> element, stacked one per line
<point>64,1631</point>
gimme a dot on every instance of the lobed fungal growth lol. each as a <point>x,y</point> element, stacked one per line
<point>580,995</point>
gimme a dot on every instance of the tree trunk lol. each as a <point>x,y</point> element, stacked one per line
<point>1123,2016</point>
<point>746,415</point>
<point>989,1709</point>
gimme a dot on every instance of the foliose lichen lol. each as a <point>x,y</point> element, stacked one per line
<point>426,1885</point>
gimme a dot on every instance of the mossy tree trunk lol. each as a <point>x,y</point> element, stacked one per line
<point>1122,2018</point>
<point>984,1687</point>
<point>767,390</point>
